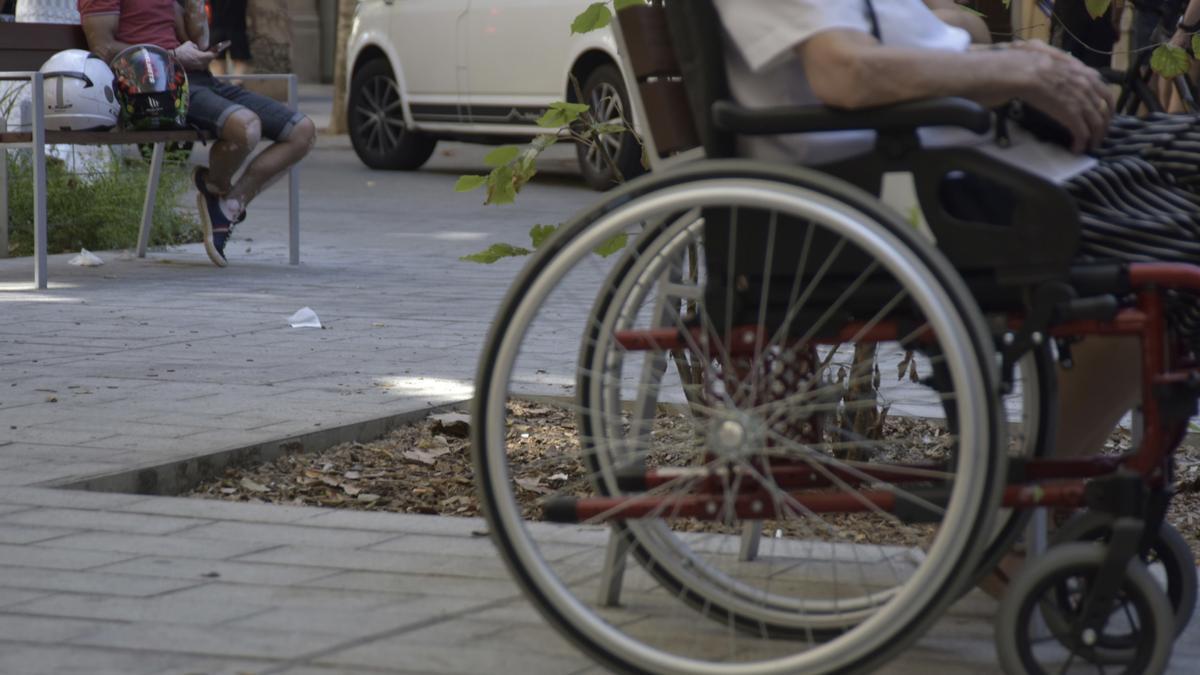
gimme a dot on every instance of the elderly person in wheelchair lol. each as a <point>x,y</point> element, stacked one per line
<point>743,434</point>
<point>867,53</point>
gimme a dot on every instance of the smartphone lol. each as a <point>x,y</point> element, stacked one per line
<point>220,46</point>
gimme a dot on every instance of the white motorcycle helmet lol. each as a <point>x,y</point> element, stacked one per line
<point>79,92</point>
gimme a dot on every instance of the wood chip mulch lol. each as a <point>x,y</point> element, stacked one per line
<point>426,468</point>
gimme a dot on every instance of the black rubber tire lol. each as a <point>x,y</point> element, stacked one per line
<point>376,122</point>
<point>628,159</point>
<point>1143,594</point>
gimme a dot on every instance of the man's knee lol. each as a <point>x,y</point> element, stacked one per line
<point>243,129</point>
<point>304,135</point>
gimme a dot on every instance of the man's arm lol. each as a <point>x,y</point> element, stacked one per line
<point>850,69</point>
<point>101,30</point>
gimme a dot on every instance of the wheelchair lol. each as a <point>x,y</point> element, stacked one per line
<point>811,423</point>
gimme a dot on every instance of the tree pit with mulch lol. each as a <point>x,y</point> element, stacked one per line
<point>426,468</point>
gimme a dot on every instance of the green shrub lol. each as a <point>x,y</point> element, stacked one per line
<point>101,211</point>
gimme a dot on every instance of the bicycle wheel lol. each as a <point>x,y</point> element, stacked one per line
<point>836,590</point>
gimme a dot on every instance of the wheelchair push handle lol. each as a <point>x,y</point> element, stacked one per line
<point>936,112</point>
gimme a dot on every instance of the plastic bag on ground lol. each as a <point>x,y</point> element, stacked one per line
<point>86,259</point>
<point>305,318</point>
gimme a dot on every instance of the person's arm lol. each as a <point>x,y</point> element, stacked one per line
<point>953,13</point>
<point>195,22</point>
<point>850,69</point>
<point>1190,19</point>
<point>101,30</point>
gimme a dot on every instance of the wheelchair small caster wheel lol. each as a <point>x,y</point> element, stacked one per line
<point>1170,560</point>
<point>1055,590</point>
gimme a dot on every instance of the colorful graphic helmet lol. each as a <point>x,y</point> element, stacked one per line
<point>152,88</point>
<point>78,92</point>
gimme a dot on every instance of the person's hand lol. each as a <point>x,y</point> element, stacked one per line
<point>1182,39</point>
<point>192,57</point>
<point>1071,93</point>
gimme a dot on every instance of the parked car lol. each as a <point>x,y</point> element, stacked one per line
<point>480,71</point>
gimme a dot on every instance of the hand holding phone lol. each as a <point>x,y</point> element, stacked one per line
<point>220,46</point>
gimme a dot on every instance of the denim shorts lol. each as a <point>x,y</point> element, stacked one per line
<point>212,101</point>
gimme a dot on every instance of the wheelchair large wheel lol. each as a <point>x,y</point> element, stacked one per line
<point>673,467</point>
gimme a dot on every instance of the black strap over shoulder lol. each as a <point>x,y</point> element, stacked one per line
<point>874,21</point>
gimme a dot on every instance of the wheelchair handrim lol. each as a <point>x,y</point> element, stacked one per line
<point>963,510</point>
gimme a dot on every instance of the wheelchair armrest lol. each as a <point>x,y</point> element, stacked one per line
<point>938,112</point>
<point>1113,76</point>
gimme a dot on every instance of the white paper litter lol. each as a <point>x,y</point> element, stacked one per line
<point>86,259</point>
<point>305,318</point>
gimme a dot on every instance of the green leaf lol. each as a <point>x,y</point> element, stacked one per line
<point>595,17</point>
<point>495,252</point>
<point>622,4</point>
<point>1169,61</point>
<point>500,187</point>
<point>501,155</point>
<point>540,233</point>
<point>468,183</point>
<point>561,114</point>
<point>1196,44</point>
<point>1097,8</point>
<point>612,245</point>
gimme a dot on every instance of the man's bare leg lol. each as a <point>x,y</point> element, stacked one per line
<point>271,164</point>
<point>1093,396</point>
<point>239,136</point>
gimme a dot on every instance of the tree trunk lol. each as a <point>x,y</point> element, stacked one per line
<point>270,34</point>
<point>341,76</point>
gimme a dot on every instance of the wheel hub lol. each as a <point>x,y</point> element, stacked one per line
<point>736,435</point>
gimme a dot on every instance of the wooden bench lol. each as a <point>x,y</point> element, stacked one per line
<point>24,47</point>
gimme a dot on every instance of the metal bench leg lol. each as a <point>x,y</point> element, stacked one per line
<point>156,163</point>
<point>40,237</point>
<point>3,194</point>
<point>293,188</point>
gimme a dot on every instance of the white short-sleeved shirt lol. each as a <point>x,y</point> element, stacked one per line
<point>761,37</point>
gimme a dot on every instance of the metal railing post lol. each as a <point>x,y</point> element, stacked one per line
<point>40,237</point>
<point>3,193</point>
<point>293,186</point>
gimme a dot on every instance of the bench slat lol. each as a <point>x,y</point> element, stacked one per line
<point>108,137</point>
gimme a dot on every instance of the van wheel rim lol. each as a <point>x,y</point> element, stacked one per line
<point>606,108</point>
<point>381,120</point>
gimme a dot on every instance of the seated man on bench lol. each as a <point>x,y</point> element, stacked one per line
<point>866,53</point>
<point>237,117</point>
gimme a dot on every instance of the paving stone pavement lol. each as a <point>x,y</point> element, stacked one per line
<point>146,362</point>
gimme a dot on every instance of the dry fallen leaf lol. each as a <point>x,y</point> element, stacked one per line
<point>252,486</point>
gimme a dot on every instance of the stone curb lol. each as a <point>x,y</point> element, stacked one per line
<point>175,477</point>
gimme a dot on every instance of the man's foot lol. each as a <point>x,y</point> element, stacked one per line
<point>217,225</point>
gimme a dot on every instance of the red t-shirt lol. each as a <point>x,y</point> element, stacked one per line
<point>141,22</point>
